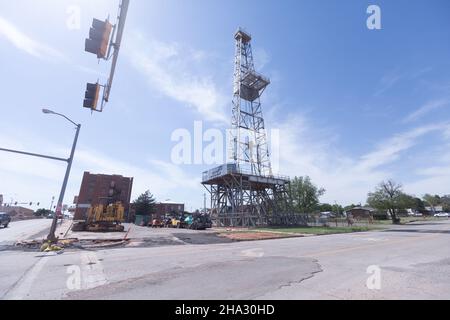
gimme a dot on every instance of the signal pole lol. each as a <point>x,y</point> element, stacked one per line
<point>51,236</point>
<point>51,206</point>
<point>204,202</point>
<point>100,44</point>
<point>123,11</point>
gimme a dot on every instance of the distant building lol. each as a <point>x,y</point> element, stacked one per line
<point>360,212</point>
<point>18,213</point>
<point>165,207</point>
<point>437,209</point>
<point>102,189</point>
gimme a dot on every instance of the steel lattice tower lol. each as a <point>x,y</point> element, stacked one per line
<point>245,192</point>
<point>249,145</point>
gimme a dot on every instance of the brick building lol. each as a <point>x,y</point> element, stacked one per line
<point>18,213</point>
<point>102,189</point>
<point>164,207</point>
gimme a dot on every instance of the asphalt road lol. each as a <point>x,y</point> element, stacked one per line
<point>23,230</point>
<point>406,262</point>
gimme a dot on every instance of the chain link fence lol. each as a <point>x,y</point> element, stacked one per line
<point>340,221</point>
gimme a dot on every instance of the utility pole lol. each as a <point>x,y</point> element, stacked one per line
<point>204,202</point>
<point>51,206</point>
<point>51,236</point>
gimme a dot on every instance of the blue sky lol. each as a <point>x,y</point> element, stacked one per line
<point>353,106</point>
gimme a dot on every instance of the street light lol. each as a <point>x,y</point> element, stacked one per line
<point>47,111</point>
<point>51,236</point>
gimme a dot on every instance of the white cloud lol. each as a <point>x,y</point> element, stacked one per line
<point>28,179</point>
<point>176,72</point>
<point>388,81</point>
<point>434,177</point>
<point>88,70</point>
<point>160,177</point>
<point>426,108</point>
<point>435,181</point>
<point>390,150</point>
<point>306,150</point>
<point>447,133</point>
<point>261,57</point>
<point>25,43</point>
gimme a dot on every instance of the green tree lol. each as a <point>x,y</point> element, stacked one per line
<point>445,202</point>
<point>42,212</point>
<point>145,204</point>
<point>418,205</point>
<point>337,208</point>
<point>406,201</point>
<point>390,197</point>
<point>432,201</point>
<point>304,194</point>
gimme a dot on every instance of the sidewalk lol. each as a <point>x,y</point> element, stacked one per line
<point>62,229</point>
<point>131,232</point>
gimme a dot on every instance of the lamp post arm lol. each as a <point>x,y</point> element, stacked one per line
<point>59,114</point>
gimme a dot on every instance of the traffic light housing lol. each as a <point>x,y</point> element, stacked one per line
<point>98,41</point>
<point>91,96</point>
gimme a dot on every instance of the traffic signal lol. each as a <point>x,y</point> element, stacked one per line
<point>98,41</point>
<point>91,96</point>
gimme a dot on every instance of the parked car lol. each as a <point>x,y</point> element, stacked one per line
<point>5,219</point>
<point>52,215</point>
<point>68,216</point>
<point>441,215</point>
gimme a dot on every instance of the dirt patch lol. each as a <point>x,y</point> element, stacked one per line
<point>154,242</point>
<point>202,238</point>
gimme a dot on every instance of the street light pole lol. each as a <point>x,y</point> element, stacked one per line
<point>51,206</point>
<point>204,203</point>
<point>51,236</point>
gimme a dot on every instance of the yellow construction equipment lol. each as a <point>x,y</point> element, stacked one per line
<point>102,218</point>
<point>175,223</point>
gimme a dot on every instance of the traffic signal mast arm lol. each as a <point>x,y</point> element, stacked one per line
<point>116,45</point>
<point>99,43</point>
